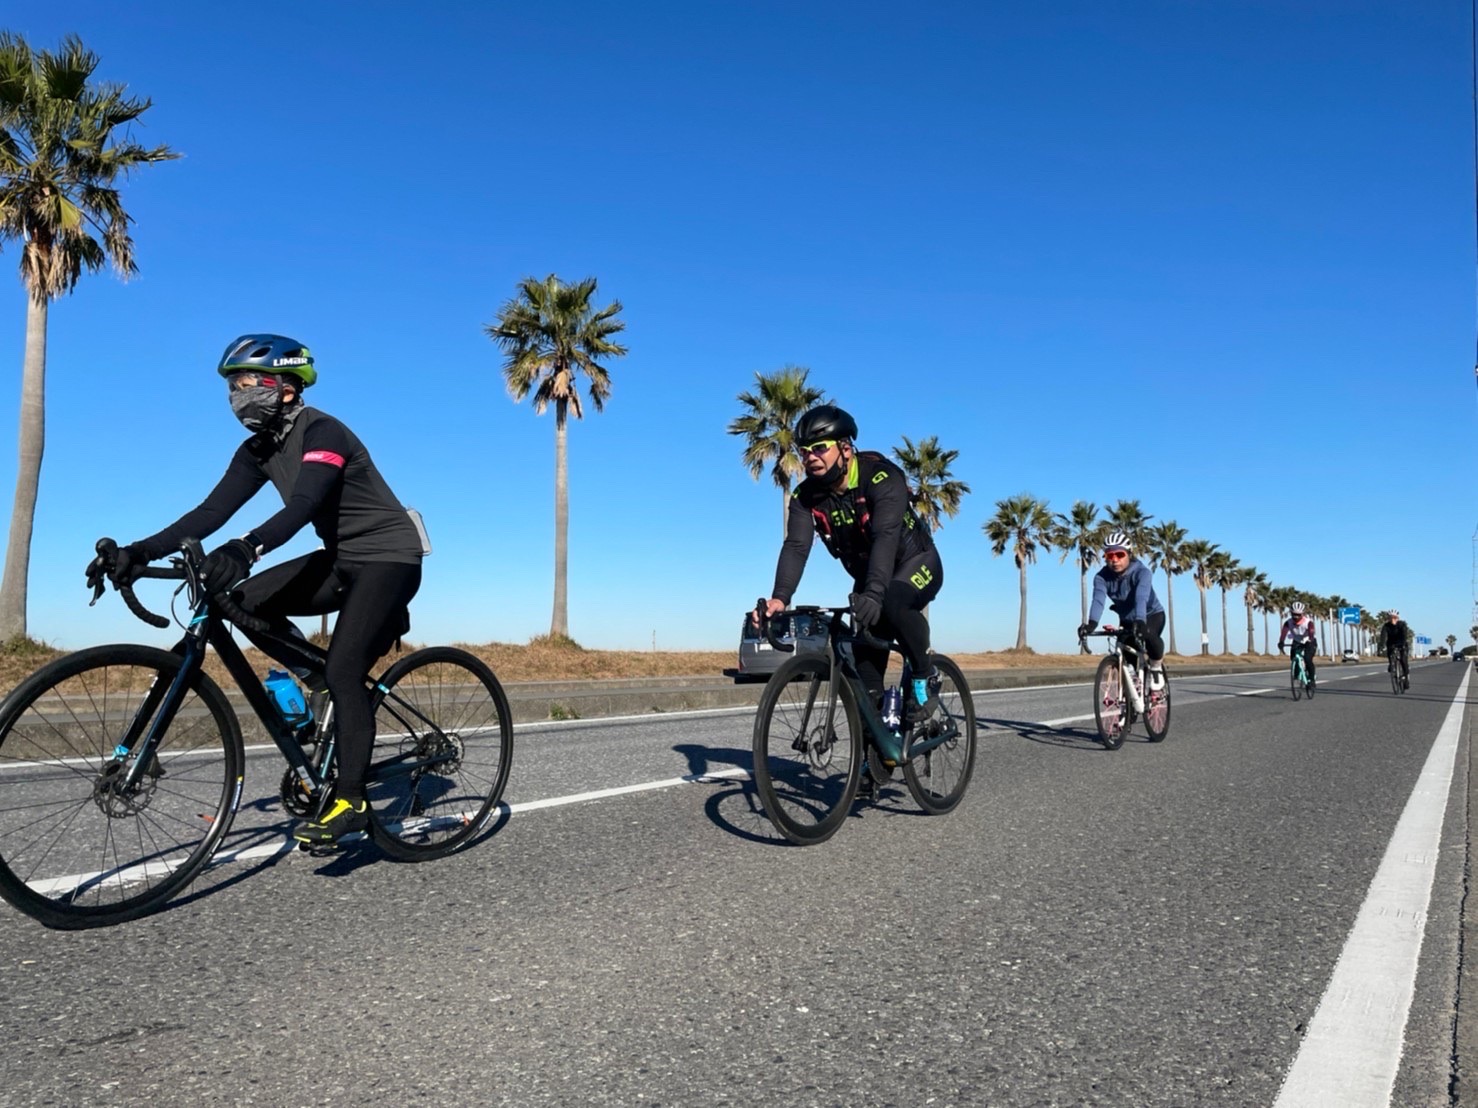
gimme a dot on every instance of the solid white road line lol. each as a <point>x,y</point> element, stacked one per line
<point>1353,1047</point>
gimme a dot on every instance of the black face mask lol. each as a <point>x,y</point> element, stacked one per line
<point>259,407</point>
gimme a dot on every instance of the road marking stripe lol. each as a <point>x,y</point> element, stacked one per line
<point>1351,1052</point>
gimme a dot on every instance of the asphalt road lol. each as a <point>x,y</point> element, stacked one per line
<point>1153,926</point>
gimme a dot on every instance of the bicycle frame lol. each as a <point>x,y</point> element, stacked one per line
<point>842,661</point>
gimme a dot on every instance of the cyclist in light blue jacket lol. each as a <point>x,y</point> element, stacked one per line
<point>1126,585</point>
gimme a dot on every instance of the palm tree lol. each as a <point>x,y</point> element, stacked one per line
<point>1224,576</point>
<point>1336,602</point>
<point>63,149</point>
<point>768,423</point>
<point>935,492</point>
<point>1195,556</point>
<point>550,333</point>
<point>1126,516</point>
<point>1023,523</point>
<point>1451,642</point>
<point>1255,596</point>
<point>1078,535</point>
<point>1163,544</point>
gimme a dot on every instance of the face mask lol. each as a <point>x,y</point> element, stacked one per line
<point>259,407</point>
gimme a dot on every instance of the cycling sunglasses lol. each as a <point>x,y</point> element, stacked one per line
<point>248,379</point>
<point>816,447</point>
<point>1115,555</point>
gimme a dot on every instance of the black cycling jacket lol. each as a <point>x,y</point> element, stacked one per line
<point>325,476</point>
<point>1393,636</point>
<point>870,526</point>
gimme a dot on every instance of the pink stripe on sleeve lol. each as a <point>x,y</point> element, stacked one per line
<point>327,457</point>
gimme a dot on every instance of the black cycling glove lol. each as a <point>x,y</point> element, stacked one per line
<point>867,609</point>
<point>227,564</point>
<point>1087,628</point>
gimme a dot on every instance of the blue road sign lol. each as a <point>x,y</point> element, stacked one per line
<point>1349,615</point>
<point>1423,639</point>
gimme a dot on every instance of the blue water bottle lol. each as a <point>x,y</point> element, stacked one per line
<point>893,708</point>
<point>289,699</point>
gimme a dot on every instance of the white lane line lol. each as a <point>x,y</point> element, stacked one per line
<point>1352,1050</point>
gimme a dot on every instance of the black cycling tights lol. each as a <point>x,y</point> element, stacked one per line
<point>370,598</point>
<point>917,583</point>
<point>1154,645</point>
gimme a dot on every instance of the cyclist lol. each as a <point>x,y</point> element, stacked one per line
<point>1393,640</point>
<point>1304,633</point>
<point>369,567</point>
<point>1126,585</point>
<point>858,503</point>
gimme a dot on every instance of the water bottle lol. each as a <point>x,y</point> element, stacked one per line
<point>289,699</point>
<point>893,708</point>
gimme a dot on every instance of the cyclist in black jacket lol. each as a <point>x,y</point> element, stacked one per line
<point>858,503</point>
<point>370,564</point>
<point>1394,637</point>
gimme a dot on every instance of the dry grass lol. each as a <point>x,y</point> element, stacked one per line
<point>548,660</point>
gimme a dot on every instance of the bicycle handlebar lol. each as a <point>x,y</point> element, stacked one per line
<point>186,568</point>
<point>859,634</point>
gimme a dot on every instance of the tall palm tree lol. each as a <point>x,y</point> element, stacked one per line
<point>1126,516</point>
<point>1195,555</point>
<point>1079,534</point>
<point>1024,524</point>
<point>1224,576</point>
<point>768,424</point>
<point>550,334</point>
<point>935,492</point>
<point>1451,642</point>
<point>64,147</point>
<point>1254,594</point>
<point>1163,543</point>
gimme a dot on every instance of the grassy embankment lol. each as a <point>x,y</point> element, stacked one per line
<point>543,660</point>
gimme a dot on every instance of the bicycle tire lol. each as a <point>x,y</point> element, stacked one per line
<point>75,853</point>
<point>939,777</point>
<point>1108,703</point>
<point>1396,682</point>
<point>1308,685</point>
<point>1157,708</point>
<point>1296,680</point>
<point>806,774</point>
<point>437,703</point>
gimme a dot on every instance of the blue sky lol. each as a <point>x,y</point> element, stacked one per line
<point>1216,257</point>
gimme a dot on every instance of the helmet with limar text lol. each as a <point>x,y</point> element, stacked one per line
<point>268,354</point>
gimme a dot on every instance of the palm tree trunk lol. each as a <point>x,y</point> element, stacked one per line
<point>1170,610</point>
<point>1205,638</point>
<point>1251,646</point>
<point>1083,603</point>
<point>28,473</point>
<point>784,512</point>
<point>1265,649</point>
<point>559,624</point>
<point>1021,622</point>
<point>1226,647</point>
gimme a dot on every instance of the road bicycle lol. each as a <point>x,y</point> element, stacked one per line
<point>817,726</point>
<point>1393,667</point>
<point>121,766</point>
<point>1121,692</point>
<point>1298,674</point>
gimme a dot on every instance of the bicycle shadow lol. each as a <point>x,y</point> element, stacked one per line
<point>1062,738</point>
<point>736,807</point>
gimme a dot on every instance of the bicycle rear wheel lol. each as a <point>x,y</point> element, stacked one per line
<point>1108,703</point>
<point>443,749</point>
<point>1295,678</point>
<point>806,770</point>
<point>938,777</point>
<point>78,847</point>
<point>1396,682</point>
<point>1157,708</point>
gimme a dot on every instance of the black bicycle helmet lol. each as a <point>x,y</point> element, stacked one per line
<point>825,421</point>
<point>268,354</point>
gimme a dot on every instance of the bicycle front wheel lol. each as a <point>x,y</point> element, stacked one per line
<point>1296,679</point>
<point>1157,707</point>
<point>443,749</point>
<point>807,749</point>
<point>81,846</point>
<point>1108,703</point>
<point>1396,682</point>
<point>938,777</point>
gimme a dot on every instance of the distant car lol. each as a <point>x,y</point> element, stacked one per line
<point>758,659</point>
<point>1459,658</point>
<point>1349,656</point>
